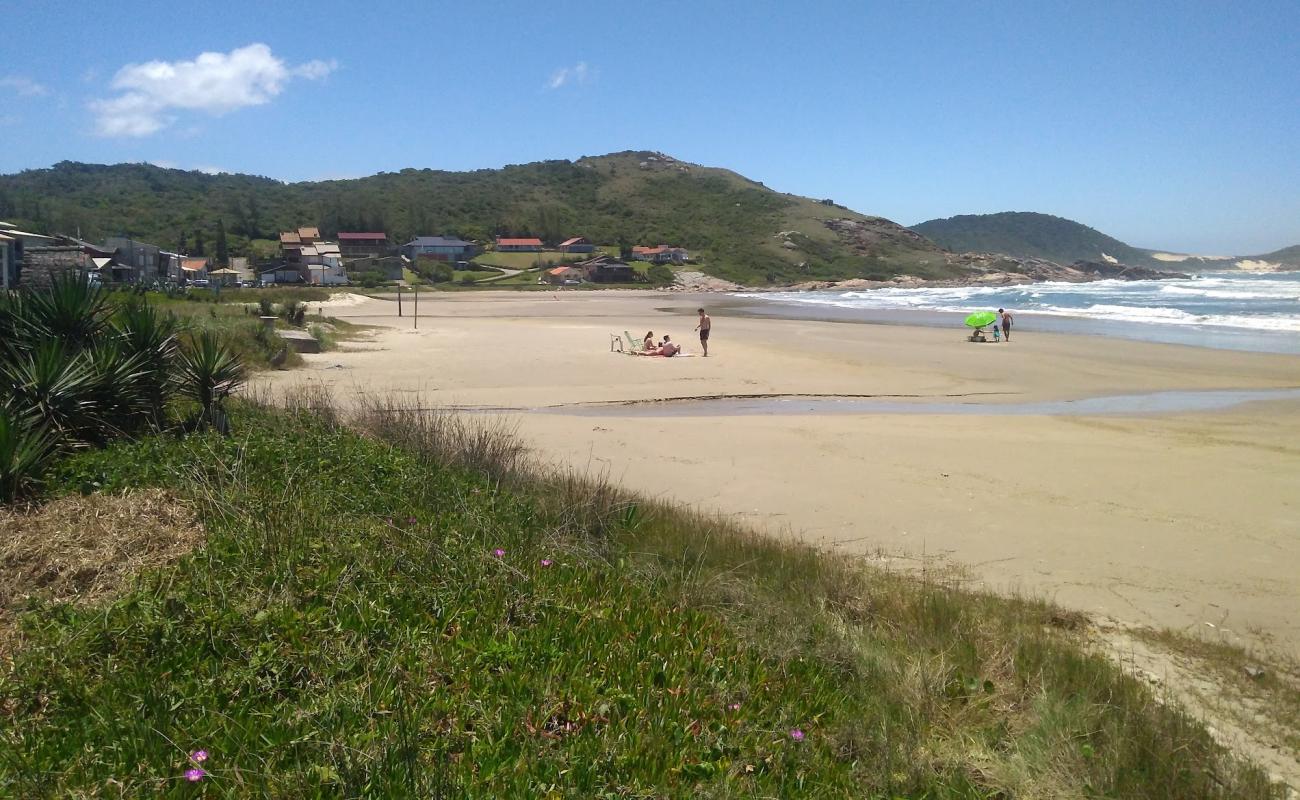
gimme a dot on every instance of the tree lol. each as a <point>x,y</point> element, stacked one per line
<point>223,254</point>
<point>253,228</point>
<point>198,242</point>
<point>182,244</point>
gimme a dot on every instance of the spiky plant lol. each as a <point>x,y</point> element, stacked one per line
<point>152,337</point>
<point>54,388</point>
<point>26,451</point>
<point>123,385</point>
<point>209,373</point>
<point>71,310</point>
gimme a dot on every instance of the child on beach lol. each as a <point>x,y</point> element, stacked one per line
<point>997,334</point>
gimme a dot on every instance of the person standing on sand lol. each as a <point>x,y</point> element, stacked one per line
<point>1006,323</point>
<point>704,327</point>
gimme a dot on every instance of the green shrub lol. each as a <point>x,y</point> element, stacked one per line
<point>660,273</point>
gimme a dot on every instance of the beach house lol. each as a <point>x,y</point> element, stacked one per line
<point>505,245</point>
<point>439,248</point>
<point>322,264</point>
<point>563,275</point>
<point>360,245</point>
<point>663,254</point>
<point>292,242</point>
<point>578,244</point>
<point>194,268</point>
<point>604,269</point>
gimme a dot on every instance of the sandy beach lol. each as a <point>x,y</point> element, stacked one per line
<point>1187,520</point>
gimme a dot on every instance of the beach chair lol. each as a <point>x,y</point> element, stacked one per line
<point>633,345</point>
<point>615,343</point>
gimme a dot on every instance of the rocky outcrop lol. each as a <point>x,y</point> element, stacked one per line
<point>868,236</point>
<point>992,268</point>
<point>1100,270</point>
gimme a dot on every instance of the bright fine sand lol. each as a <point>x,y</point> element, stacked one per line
<point>1184,520</point>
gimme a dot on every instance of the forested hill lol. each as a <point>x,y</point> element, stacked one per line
<point>738,228</point>
<point>1027,234</point>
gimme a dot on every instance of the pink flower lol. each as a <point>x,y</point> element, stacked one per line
<point>410,520</point>
<point>796,734</point>
<point>546,562</point>
<point>194,775</point>
<point>199,756</point>
<point>734,707</point>
<point>498,552</point>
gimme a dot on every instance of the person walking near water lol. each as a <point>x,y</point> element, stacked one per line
<point>704,327</point>
<point>1006,323</point>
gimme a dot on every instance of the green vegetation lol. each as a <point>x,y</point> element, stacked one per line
<point>730,225</point>
<point>405,607</point>
<point>1029,235</point>
<point>79,368</point>
<point>659,273</point>
<point>1287,255</point>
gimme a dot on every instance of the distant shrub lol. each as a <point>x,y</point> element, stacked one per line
<point>660,273</point>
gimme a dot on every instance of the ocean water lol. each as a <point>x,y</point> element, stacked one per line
<point>1236,310</point>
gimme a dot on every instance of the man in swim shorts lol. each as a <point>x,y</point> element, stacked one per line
<point>704,327</point>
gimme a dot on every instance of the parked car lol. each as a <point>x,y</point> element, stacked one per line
<point>199,284</point>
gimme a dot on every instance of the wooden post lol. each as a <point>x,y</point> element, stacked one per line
<point>399,301</point>
<point>416,324</point>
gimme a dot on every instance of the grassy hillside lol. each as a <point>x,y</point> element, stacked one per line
<point>1030,235</point>
<point>407,608</point>
<point>738,229</point>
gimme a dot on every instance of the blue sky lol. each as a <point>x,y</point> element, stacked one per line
<point>1171,125</point>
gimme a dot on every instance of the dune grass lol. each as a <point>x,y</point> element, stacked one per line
<point>405,606</point>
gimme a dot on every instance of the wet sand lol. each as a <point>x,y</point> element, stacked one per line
<point>1185,520</point>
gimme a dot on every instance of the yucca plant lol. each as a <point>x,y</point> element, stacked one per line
<point>26,450</point>
<point>71,310</point>
<point>123,382</point>
<point>209,372</point>
<point>54,388</point>
<point>152,337</point>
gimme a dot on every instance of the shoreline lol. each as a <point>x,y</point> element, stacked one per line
<point>1166,519</point>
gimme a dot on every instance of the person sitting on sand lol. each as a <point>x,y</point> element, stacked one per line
<point>648,341</point>
<point>668,349</point>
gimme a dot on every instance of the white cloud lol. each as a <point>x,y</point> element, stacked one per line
<point>578,74</point>
<point>24,86</point>
<point>213,83</point>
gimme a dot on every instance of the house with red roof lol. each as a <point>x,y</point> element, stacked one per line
<point>562,275</point>
<point>578,244</point>
<point>505,245</point>
<point>663,254</point>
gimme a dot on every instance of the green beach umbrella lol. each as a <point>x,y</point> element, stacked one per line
<point>981,318</point>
